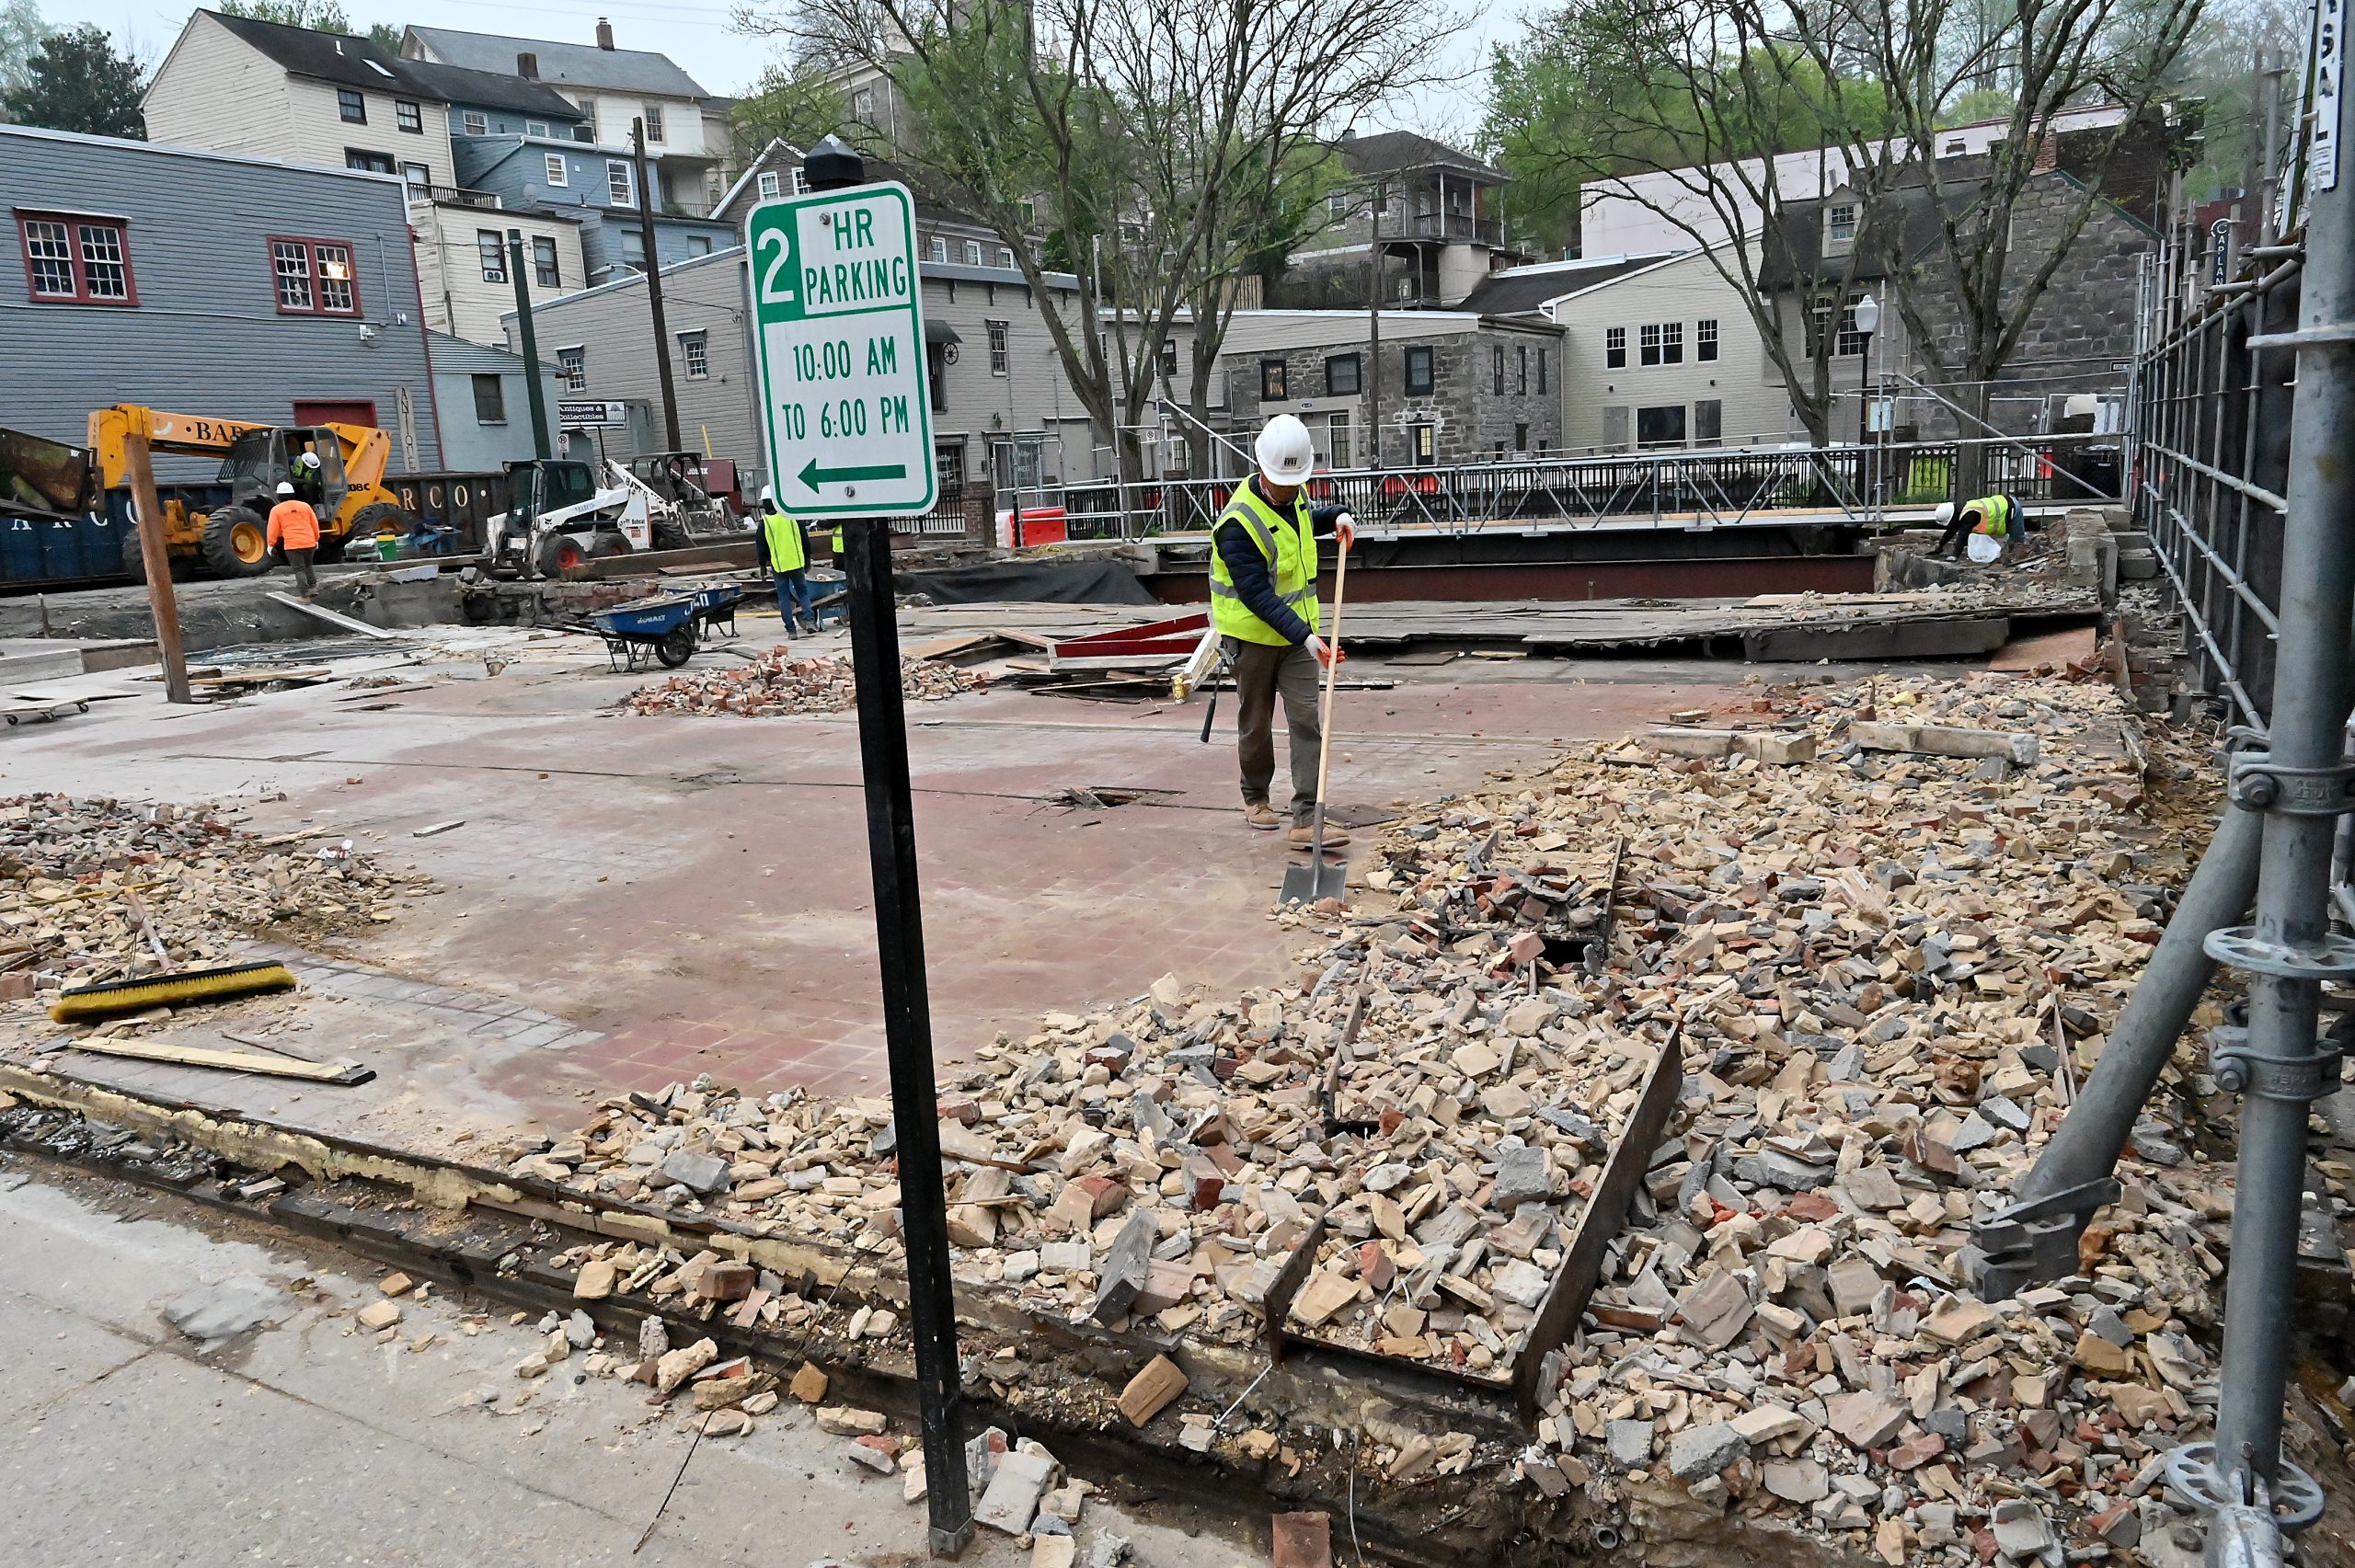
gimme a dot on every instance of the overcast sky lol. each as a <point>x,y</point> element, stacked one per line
<point>695,34</point>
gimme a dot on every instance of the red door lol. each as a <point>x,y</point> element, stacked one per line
<point>348,412</point>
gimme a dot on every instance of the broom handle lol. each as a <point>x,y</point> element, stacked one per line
<point>139,907</point>
<point>1325,716</point>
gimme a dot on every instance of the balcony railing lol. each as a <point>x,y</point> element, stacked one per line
<point>1453,226</point>
<point>454,195</point>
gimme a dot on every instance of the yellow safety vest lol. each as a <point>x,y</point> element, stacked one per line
<point>786,549</point>
<point>1290,545</point>
<point>838,541</point>
<point>1996,516</point>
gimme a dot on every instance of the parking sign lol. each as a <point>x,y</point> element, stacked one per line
<point>839,341</point>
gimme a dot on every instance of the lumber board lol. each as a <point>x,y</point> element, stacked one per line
<point>345,623</point>
<point>340,1072</point>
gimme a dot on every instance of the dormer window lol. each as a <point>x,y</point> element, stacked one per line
<point>1840,222</point>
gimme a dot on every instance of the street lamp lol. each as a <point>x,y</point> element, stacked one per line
<point>1865,312</point>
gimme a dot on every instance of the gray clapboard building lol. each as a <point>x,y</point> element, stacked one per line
<point>208,284</point>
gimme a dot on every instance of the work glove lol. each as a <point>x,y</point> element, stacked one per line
<point>1325,653</point>
<point>1345,530</point>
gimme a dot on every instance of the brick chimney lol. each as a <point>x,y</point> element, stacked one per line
<point>528,65</point>
<point>2047,152</point>
<point>604,34</point>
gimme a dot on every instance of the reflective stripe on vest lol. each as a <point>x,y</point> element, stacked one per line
<point>1995,514</point>
<point>1290,546</point>
<point>782,537</point>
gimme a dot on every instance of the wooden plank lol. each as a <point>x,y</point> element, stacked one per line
<point>2055,648</point>
<point>228,1061</point>
<point>1881,639</point>
<point>320,612</point>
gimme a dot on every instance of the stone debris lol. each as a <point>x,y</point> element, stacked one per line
<point>776,682</point>
<point>206,883</point>
<point>1151,1389</point>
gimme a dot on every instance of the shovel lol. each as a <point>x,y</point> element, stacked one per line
<point>1321,878</point>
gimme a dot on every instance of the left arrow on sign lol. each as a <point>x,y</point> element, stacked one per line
<point>812,475</point>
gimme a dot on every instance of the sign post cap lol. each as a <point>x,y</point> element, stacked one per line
<point>833,163</point>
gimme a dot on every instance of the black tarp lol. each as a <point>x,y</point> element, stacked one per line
<point>1030,582</point>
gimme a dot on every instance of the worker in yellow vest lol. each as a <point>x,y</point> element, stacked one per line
<point>1263,604</point>
<point>786,554</point>
<point>1996,517</point>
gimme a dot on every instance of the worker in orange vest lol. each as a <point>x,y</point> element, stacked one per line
<point>295,528</point>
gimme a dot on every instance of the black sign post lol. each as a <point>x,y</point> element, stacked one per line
<point>907,1006</point>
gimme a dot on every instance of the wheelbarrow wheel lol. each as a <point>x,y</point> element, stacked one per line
<point>677,646</point>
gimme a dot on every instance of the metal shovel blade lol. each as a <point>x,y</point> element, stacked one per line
<point>1320,878</point>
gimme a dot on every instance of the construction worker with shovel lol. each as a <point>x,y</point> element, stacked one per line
<point>1263,605</point>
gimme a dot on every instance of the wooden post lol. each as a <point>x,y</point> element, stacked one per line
<point>155,557</point>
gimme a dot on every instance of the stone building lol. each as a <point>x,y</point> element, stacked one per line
<point>1453,387</point>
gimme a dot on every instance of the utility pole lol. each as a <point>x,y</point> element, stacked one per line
<point>654,285</point>
<point>537,398</point>
<point>907,1003</point>
<point>2298,777</point>
<point>1374,330</point>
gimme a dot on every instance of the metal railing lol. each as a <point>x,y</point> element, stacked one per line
<point>2211,460</point>
<point>1749,487</point>
<point>1453,226</point>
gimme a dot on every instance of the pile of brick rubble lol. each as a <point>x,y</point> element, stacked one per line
<point>776,682</point>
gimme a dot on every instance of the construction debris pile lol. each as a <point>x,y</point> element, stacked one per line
<point>1885,927</point>
<point>67,865</point>
<point>776,682</point>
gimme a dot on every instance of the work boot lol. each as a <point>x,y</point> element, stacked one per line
<point>1304,836</point>
<point>1260,815</point>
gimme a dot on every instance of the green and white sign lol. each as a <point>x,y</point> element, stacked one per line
<point>839,341</point>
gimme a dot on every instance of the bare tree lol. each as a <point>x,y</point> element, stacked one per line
<point>1703,97</point>
<point>1968,290</point>
<point>1141,146</point>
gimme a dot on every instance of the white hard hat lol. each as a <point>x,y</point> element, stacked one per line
<point>1946,513</point>
<point>1286,454</point>
<point>768,494</point>
<point>284,488</point>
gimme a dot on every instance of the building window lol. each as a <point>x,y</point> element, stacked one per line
<point>1840,222</point>
<point>574,363</point>
<point>862,103</point>
<point>767,184</point>
<point>1271,381</point>
<point>698,244</point>
<point>1660,427</point>
<point>1850,340</point>
<point>1169,359</point>
<point>1672,343</point>
<point>634,249</point>
<point>1521,377</point>
<point>1709,422</point>
<point>1005,257</point>
<point>621,188</point>
<point>1337,205</point>
<point>313,277</point>
<point>1337,450</point>
<point>935,249</point>
<point>1615,348</point>
<point>535,128</point>
<point>1521,438</point>
<point>1541,373</point>
<point>494,255</point>
<point>801,183</point>
<point>694,352</point>
<point>1498,360</point>
<point>1705,339</point>
<point>417,173</point>
<point>81,259</point>
<point>588,114</point>
<point>1344,375</point>
<point>559,172</point>
<point>350,106</point>
<point>1423,442</point>
<point>490,400</point>
<point>1650,339</point>
<point>1420,378</point>
<point>474,122</point>
<point>410,117</point>
<point>997,347</point>
<point>972,253</point>
<point>366,162</point>
<point>543,267</point>
<point>654,123</point>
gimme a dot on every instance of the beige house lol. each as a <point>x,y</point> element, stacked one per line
<point>1663,355</point>
<point>462,267</point>
<point>236,85</point>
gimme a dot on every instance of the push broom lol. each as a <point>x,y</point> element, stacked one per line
<point>111,999</point>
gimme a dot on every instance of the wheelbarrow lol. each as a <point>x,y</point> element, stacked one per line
<point>665,629</point>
